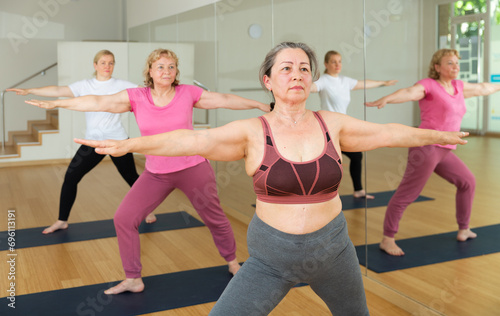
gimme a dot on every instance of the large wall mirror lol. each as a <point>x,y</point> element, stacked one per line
<point>378,40</point>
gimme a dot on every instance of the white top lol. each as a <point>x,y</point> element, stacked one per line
<point>335,92</point>
<point>102,125</point>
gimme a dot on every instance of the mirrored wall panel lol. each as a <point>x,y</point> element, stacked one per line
<point>385,46</point>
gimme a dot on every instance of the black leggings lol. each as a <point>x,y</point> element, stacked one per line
<point>355,168</point>
<point>85,160</point>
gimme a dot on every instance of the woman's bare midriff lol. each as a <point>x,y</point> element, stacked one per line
<point>298,218</point>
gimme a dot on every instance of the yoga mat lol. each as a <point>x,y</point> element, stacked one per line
<point>162,292</point>
<point>33,237</point>
<point>349,202</point>
<point>432,249</point>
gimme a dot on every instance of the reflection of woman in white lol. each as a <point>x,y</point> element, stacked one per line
<point>335,94</point>
<point>100,125</point>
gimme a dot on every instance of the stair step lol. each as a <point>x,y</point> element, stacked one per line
<point>26,140</point>
<point>31,137</point>
<point>53,117</point>
<point>45,128</point>
<point>9,152</point>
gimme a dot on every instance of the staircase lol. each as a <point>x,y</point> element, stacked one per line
<point>32,136</point>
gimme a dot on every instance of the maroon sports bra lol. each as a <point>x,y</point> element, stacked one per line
<point>279,180</point>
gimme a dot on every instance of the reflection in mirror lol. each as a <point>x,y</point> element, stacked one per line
<point>239,57</point>
<point>283,20</point>
<point>401,45</point>
<point>195,27</point>
<point>400,40</point>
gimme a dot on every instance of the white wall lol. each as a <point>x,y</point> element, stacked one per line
<point>29,33</point>
<point>145,11</point>
<point>30,30</point>
<point>393,47</point>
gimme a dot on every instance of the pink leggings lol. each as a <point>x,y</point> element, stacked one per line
<point>422,161</point>
<point>198,183</point>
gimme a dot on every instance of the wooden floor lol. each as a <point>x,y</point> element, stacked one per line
<point>462,287</point>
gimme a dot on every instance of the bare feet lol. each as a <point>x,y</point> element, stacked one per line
<point>388,245</point>
<point>361,194</point>
<point>464,234</point>
<point>56,226</point>
<point>151,218</point>
<point>127,285</point>
<point>234,266</point>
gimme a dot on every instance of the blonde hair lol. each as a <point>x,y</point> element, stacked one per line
<point>154,56</point>
<point>98,56</point>
<point>436,60</point>
<point>329,54</point>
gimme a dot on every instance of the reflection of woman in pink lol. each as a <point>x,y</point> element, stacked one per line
<point>442,107</point>
<point>335,94</point>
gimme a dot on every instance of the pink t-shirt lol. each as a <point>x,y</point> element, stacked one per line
<point>439,110</point>
<point>151,119</point>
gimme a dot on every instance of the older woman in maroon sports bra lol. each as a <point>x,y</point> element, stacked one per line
<point>298,233</point>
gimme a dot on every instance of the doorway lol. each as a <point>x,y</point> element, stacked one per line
<point>468,32</point>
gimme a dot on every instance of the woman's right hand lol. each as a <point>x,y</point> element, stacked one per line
<point>44,104</point>
<point>19,91</point>
<point>380,103</point>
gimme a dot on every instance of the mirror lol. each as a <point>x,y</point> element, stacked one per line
<point>238,67</point>
<point>402,37</point>
<point>231,39</point>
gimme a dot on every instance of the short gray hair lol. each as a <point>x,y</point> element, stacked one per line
<point>265,68</point>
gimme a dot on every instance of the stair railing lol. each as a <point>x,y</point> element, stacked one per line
<point>2,97</point>
<point>201,85</point>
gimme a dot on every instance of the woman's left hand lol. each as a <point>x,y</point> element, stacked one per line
<point>44,104</point>
<point>390,82</point>
<point>111,147</point>
<point>455,138</point>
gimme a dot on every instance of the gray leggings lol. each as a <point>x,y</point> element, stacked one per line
<point>324,259</point>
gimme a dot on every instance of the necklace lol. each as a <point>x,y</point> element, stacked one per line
<point>289,118</point>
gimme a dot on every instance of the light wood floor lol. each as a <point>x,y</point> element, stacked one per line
<point>462,287</point>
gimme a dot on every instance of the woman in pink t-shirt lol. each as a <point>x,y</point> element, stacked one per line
<point>164,105</point>
<point>442,106</point>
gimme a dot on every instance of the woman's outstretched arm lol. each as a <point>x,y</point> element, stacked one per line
<point>369,84</point>
<point>215,100</point>
<point>413,93</point>
<point>115,103</point>
<point>480,89</point>
<point>48,91</point>
<point>357,135</point>
<point>225,143</point>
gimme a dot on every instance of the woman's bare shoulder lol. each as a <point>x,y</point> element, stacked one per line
<point>330,117</point>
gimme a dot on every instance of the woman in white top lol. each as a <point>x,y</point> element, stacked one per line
<point>100,126</point>
<point>335,94</point>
